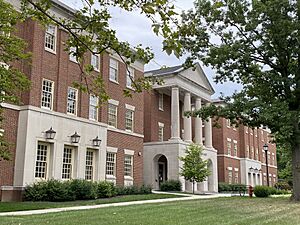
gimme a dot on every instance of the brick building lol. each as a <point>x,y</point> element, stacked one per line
<point>241,158</point>
<point>54,104</point>
<point>168,131</point>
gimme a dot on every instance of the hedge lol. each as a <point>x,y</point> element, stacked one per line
<point>224,187</point>
<point>263,191</point>
<point>171,185</point>
<point>57,191</point>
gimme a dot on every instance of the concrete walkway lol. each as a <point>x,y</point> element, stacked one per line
<point>73,208</point>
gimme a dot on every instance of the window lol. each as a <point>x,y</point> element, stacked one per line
<point>235,148</point>
<point>161,101</point>
<point>252,152</point>
<point>128,165</point>
<point>129,120</point>
<point>113,70</point>
<point>93,109</point>
<point>112,115</point>
<point>67,163</point>
<point>228,146</point>
<point>230,177</point>
<point>41,160</point>
<point>228,122</point>
<point>110,163</point>
<point>72,54</point>
<point>129,77</point>
<point>47,94</point>
<point>89,165</point>
<point>247,151</point>
<point>50,38</point>
<point>95,61</point>
<point>236,177</point>
<point>72,101</point>
<point>160,132</point>
<point>246,130</point>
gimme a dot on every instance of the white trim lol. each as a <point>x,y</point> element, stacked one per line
<point>229,168</point>
<point>236,169</point>
<point>113,102</point>
<point>161,124</point>
<point>111,149</point>
<point>53,51</point>
<point>228,139</point>
<point>128,152</point>
<point>274,175</point>
<point>235,141</point>
<point>265,174</point>
<point>128,177</point>
<point>130,107</point>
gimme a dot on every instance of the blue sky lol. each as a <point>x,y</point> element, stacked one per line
<point>136,29</point>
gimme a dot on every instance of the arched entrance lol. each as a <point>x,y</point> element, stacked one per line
<point>160,169</point>
<point>210,178</point>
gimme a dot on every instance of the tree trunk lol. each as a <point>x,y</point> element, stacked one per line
<point>296,171</point>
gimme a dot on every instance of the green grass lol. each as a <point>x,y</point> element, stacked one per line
<point>21,206</point>
<point>229,211</point>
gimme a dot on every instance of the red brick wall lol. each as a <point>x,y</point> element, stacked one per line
<point>10,126</point>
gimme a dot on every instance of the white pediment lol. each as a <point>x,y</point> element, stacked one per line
<point>197,76</point>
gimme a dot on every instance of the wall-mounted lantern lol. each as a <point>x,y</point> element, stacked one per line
<point>75,138</point>
<point>50,134</point>
<point>96,141</point>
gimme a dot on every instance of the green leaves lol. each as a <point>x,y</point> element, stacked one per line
<point>194,167</point>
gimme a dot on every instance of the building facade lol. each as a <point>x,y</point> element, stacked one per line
<point>241,157</point>
<point>52,103</point>
<point>168,131</point>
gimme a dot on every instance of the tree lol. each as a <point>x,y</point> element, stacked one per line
<point>89,31</point>
<point>12,81</point>
<point>255,43</point>
<point>194,167</point>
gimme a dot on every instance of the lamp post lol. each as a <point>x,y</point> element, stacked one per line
<point>267,167</point>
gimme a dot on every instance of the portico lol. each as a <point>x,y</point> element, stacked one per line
<point>188,90</point>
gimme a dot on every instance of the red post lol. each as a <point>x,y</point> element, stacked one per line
<point>250,191</point>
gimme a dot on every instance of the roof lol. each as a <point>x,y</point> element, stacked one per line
<point>164,71</point>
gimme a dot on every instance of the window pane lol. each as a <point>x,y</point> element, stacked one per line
<point>113,70</point>
<point>112,115</point>
<point>72,101</point>
<point>89,168</point>
<point>47,93</point>
<point>41,161</point>
<point>93,108</point>
<point>128,165</point>
<point>129,120</point>
<point>110,163</point>
<point>67,163</point>
<point>129,77</point>
<point>50,38</point>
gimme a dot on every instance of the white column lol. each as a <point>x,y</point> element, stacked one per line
<point>208,133</point>
<point>187,121</point>
<point>175,126</point>
<point>198,124</point>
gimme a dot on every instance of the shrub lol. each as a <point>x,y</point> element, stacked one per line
<point>83,189</point>
<point>145,189</point>
<point>51,190</point>
<point>171,185</point>
<point>224,187</point>
<point>282,185</point>
<point>134,190</point>
<point>106,189</point>
<point>262,191</point>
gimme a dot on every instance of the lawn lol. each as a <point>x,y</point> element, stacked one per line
<point>21,206</point>
<point>229,211</point>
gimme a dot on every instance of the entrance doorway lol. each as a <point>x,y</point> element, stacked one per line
<point>162,169</point>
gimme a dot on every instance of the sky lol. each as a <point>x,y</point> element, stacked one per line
<point>136,29</point>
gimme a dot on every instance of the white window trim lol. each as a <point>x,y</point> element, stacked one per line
<point>229,168</point>
<point>114,81</point>
<point>132,73</point>
<point>52,92</point>
<point>131,154</point>
<point>96,69</point>
<point>128,152</point>
<point>236,169</point>
<point>76,102</point>
<point>97,110</point>
<point>111,149</point>
<point>161,125</point>
<point>116,105</point>
<point>47,161</point>
<point>130,107</point>
<point>55,40</point>
<point>113,102</point>
<point>72,58</point>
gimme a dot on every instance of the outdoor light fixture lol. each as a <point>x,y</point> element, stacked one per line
<point>50,134</point>
<point>251,169</point>
<point>96,141</point>
<point>75,138</point>
<point>256,170</point>
<point>267,167</point>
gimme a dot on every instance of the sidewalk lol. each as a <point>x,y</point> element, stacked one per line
<point>43,211</point>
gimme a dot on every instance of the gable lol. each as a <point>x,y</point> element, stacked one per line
<point>198,76</point>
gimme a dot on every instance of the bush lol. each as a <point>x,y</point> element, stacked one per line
<point>224,187</point>
<point>83,189</point>
<point>106,189</point>
<point>134,190</point>
<point>55,190</point>
<point>51,190</point>
<point>263,191</point>
<point>282,185</point>
<point>171,185</point>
